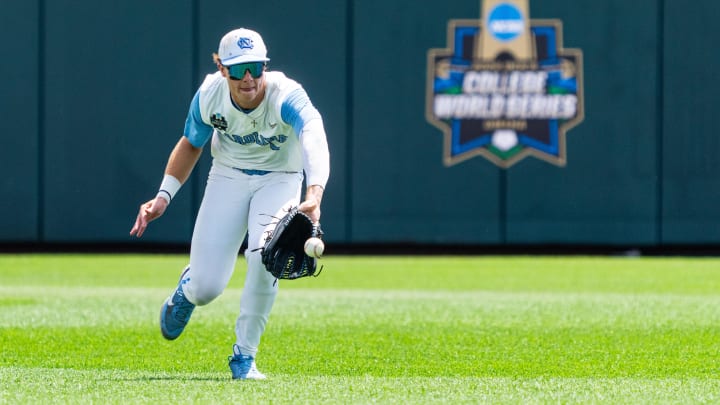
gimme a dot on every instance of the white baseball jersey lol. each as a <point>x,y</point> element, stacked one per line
<point>261,140</point>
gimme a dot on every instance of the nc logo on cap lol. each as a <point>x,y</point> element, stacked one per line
<point>245,43</point>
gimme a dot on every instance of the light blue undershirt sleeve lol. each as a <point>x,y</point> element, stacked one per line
<point>196,131</point>
<point>296,110</point>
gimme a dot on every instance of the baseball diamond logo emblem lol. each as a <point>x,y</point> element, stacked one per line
<point>219,122</point>
<point>504,88</point>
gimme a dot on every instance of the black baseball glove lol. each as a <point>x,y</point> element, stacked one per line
<point>283,253</point>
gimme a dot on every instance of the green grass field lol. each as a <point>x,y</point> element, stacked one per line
<point>84,328</point>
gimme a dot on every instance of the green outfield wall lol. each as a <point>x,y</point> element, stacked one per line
<point>95,95</point>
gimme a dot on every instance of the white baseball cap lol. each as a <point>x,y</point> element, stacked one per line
<point>240,46</point>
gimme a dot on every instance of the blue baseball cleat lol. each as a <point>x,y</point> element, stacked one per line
<point>175,312</point>
<point>243,366</point>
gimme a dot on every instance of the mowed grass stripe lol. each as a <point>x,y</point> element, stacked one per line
<point>121,387</point>
<point>378,333</point>
<point>515,330</point>
<point>520,273</point>
<point>39,306</point>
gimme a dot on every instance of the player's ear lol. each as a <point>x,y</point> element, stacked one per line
<point>216,59</point>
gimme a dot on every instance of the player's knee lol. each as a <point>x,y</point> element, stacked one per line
<point>203,294</point>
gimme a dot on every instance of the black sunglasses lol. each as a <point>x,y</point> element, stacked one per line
<point>237,72</point>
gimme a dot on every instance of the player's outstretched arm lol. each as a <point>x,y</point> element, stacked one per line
<point>180,164</point>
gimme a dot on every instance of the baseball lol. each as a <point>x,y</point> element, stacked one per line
<point>314,247</point>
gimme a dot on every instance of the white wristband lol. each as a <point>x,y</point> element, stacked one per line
<point>169,187</point>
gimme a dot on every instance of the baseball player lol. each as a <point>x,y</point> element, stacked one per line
<point>263,132</point>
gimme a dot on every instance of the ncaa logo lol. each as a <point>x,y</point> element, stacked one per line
<point>505,22</point>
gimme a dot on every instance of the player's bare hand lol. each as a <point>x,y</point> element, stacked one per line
<point>311,208</point>
<point>311,205</point>
<point>149,211</point>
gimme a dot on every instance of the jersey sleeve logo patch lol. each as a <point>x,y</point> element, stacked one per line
<point>219,122</point>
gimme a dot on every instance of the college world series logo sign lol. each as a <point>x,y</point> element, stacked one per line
<point>505,88</point>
